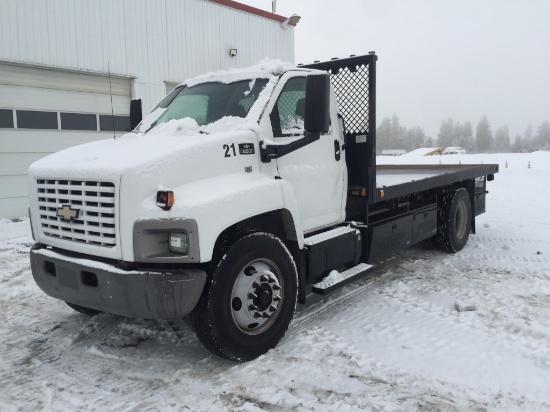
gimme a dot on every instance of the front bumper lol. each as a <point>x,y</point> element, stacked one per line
<point>163,294</point>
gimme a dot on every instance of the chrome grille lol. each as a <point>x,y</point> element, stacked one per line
<point>95,203</point>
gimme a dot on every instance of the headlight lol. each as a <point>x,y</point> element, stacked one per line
<point>166,241</point>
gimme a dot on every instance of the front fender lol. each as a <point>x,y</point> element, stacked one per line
<point>218,203</point>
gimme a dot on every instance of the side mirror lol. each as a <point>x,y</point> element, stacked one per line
<point>317,110</point>
<point>135,113</point>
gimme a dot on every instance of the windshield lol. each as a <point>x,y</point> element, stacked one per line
<point>208,102</point>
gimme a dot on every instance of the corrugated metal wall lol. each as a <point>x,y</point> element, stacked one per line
<point>152,40</point>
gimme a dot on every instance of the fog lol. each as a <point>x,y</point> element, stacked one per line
<point>438,59</point>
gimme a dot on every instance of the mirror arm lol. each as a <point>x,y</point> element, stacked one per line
<point>273,151</point>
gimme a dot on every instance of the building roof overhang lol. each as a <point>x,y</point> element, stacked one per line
<point>253,10</point>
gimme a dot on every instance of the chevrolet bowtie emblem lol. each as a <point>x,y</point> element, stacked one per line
<point>67,214</point>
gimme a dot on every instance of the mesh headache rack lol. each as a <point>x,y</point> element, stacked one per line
<point>354,82</point>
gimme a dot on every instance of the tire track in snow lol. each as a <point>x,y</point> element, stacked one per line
<point>129,345</point>
<point>110,342</point>
<point>417,335</point>
<point>377,278</point>
<point>398,268</point>
<point>94,331</point>
<point>397,316</point>
<point>485,239</point>
<point>511,258</point>
<point>86,354</point>
<point>476,284</point>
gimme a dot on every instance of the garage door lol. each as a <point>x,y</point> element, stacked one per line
<point>43,110</point>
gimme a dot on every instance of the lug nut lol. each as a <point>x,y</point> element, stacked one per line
<point>263,278</point>
<point>277,298</point>
<point>276,287</point>
<point>258,315</point>
<point>265,315</point>
<point>252,307</point>
<point>255,285</point>
<point>271,280</point>
<point>251,296</point>
<point>272,308</point>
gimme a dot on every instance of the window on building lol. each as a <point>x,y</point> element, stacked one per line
<point>78,121</point>
<point>30,119</point>
<point>6,118</point>
<point>108,123</point>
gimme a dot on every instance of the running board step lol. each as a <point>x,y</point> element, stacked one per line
<point>330,234</point>
<point>335,279</point>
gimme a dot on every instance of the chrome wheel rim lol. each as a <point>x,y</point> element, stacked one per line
<point>257,296</point>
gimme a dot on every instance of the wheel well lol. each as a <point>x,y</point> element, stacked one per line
<point>452,187</point>
<point>276,222</point>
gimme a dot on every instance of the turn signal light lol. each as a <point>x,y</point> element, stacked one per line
<point>165,199</point>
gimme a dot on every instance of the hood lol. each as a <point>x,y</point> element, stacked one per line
<point>133,153</point>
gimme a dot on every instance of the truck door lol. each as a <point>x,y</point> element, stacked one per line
<point>316,171</point>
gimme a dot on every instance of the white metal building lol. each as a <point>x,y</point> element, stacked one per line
<point>56,55</point>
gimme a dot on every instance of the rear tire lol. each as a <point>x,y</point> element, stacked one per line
<point>82,309</point>
<point>454,221</point>
<point>248,300</point>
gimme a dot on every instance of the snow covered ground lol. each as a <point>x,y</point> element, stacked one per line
<point>424,331</point>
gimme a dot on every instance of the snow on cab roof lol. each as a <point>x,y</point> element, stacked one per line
<point>266,69</point>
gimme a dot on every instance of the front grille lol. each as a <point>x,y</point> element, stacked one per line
<point>94,203</point>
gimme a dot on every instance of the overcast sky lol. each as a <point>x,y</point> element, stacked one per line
<point>438,58</point>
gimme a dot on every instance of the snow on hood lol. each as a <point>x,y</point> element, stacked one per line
<point>175,141</point>
<point>189,127</point>
<point>232,123</point>
<point>176,127</point>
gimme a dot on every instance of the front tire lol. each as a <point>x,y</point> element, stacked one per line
<point>249,298</point>
<point>454,221</point>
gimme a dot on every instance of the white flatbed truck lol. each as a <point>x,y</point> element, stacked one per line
<point>239,195</point>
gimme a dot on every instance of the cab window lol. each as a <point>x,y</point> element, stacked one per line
<point>287,117</point>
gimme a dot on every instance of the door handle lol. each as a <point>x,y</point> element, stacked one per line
<point>337,151</point>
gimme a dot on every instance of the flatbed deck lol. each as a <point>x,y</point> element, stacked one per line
<point>400,180</point>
